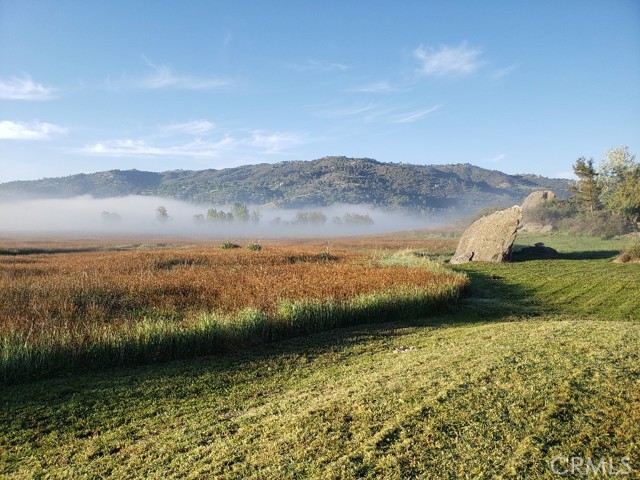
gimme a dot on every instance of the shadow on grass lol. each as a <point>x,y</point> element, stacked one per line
<point>584,255</point>
<point>490,298</point>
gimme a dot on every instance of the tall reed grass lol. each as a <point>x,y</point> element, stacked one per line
<point>78,312</point>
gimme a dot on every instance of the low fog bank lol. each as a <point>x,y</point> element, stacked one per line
<point>142,215</point>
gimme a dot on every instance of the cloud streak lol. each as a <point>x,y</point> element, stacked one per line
<point>381,113</point>
<point>503,72</point>
<point>164,77</point>
<point>195,127</point>
<point>24,88</point>
<point>377,87</point>
<point>348,111</point>
<point>141,148</point>
<point>276,142</point>
<point>29,131</point>
<point>319,66</point>
<point>414,116</point>
<point>447,60</point>
<point>198,147</point>
<point>498,158</point>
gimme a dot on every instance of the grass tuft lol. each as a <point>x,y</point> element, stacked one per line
<point>631,253</point>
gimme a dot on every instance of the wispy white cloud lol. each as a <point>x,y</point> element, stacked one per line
<point>276,142</point>
<point>503,72</point>
<point>24,88</point>
<point>141,148</point>
<point>378,112</point>
<point>164,77</point>
<point>320,66</point>
<point>497,158</point>
<point>29,131</point>
<point>377,87</point>
<point>196,127</point>
<point>348,111</point>
<point>414,116</point>
<point>257,140</point>
<point>448,60</point>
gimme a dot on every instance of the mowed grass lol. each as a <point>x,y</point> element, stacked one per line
<point>513,376</point>
<point>470,401</point>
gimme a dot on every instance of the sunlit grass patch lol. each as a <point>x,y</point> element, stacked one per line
<point>480,400</point>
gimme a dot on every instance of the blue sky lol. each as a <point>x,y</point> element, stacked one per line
<point>522,87</point>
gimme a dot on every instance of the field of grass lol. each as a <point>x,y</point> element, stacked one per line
<point>540,361</point>
<point>66,310</point>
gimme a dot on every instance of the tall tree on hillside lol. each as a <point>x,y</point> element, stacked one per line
<point>586,193</point>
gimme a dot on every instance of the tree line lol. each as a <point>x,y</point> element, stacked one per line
<point>605,198</point>
<point>613,186</point>
<point>240,213</point>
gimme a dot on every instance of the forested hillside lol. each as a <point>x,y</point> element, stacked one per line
<point>327,181</point>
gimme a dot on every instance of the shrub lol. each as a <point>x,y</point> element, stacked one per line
<point>601,224</point>
<point>551,212</point>
<point>228,245</point>
<point>631,253</point>
<point>256,247</point>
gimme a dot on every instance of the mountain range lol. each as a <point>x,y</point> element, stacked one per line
<point>300,184</point>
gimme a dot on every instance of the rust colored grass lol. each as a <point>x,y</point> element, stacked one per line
<point>76,299</point>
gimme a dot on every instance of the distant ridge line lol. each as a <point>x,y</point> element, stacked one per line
<point>301,183</point>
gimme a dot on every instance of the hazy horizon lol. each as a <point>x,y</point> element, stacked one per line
<point>136,215</point>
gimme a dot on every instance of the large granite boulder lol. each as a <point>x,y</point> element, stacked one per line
<point>490,238</point>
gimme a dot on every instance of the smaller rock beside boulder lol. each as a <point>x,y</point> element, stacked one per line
<point>490,238</point>
<point>534,199</point>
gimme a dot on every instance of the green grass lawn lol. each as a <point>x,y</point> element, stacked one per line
<point>541,360</point>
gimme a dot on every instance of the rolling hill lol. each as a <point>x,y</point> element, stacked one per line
<point>297,184</point>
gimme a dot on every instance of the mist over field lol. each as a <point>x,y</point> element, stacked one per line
<point>138,215</point>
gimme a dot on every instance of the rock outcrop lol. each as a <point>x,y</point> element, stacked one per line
<point>534,200</point>
<point>490,238</point>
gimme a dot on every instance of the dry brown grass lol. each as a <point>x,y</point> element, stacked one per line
<point>73,291</point>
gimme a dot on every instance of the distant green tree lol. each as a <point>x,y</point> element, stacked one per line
<point>214,215</point>
<point>317,218</point>
<point>305,218</point>
<point>198,218</point>
<point>161,214</point>
<point>240,212</point>
<point>587,191</point>
<point>357,219</point>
